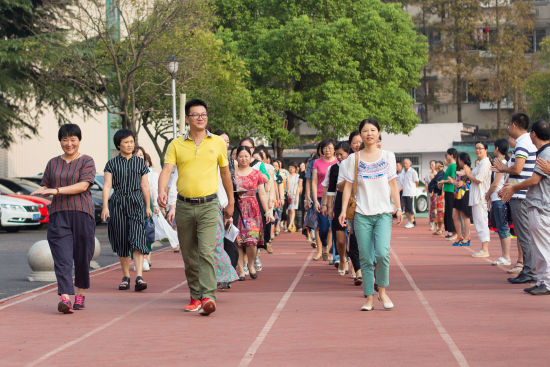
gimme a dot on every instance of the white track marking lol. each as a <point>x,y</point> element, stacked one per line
<point>251,352</point>
<point>462,362</point>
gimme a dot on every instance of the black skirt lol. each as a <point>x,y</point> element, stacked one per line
<point>462,205</point>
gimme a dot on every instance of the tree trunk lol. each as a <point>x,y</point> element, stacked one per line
<point>499,117</point>
<point>459,97</point>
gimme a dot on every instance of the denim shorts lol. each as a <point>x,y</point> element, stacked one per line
<point>501,218</point>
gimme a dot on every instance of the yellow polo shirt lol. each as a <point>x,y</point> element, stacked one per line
<point>197,165</point>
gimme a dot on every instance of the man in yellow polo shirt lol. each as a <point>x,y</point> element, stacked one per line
<point>197,157</point>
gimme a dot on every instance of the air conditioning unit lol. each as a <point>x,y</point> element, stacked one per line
<point>504,105</point>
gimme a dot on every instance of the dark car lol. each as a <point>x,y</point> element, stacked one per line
<point>29,184</point>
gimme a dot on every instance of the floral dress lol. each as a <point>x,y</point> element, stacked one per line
<point>250,224</point>
<point>225,273</point>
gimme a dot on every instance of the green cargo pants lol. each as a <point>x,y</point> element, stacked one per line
<point>197,226</point>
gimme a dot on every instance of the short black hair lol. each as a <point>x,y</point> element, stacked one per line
<point>541,128</point>
<point>326,142</point>
<point>248,139</point>
<point>122,134</point>
<point>293,164</point>
<point>245,148</point>
<point>220,132</point>
<point>68,130</point>
<point>482,143</point>
<point>502,146</point>
<point>193,103</point>
<point>371,121</point>
<point>521,120</point>
<point>453,153</point>
<point>344,145</point>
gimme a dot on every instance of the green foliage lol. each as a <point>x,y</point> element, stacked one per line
<point>330,63</point>
<point>30,43</point>
<point>537,87</point>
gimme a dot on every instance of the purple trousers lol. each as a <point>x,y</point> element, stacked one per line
<point>71,239</point>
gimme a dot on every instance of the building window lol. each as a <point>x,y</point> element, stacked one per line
<point>535,40</point>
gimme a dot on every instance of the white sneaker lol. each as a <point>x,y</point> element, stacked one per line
<point>146,266</point>
<point>502,262</point>
<point>409,225</point>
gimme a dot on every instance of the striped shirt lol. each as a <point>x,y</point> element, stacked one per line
<point>524,149</point>
<point>59,173</point>
<point>127,174</point>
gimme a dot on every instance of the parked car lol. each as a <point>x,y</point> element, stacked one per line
<point>43,204</point>
<point>421,199</point>
<point>17,213</point>
<point>95,190</point>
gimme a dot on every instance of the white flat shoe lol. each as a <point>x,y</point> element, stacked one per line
<point>387,305</point>
<point>367,307</point>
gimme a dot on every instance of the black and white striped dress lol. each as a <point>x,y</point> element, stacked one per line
<point>126,226</point>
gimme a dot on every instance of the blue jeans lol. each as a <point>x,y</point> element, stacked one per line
<point>366,228</point>
<point>323,225</point>
<point>501,219</point>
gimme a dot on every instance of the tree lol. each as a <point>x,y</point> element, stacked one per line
<point>537,87</point>
<point>31,39</point>
<point>208,71</point>
<point>329,64</point>
<point>458,22</point>
<point>505,63</point>
<point>106,66</point>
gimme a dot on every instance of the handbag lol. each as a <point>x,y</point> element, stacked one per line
<point>149,230</point>
<point>352,202</point>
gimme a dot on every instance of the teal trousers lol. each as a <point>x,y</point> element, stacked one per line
<point>368,227</point>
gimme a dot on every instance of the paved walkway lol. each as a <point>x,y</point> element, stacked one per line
<point>450,309</point>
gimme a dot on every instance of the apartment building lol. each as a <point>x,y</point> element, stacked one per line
<point>442,107</point>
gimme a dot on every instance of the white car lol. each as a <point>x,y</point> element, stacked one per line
<point>16,213</point>
<point>421,200</point>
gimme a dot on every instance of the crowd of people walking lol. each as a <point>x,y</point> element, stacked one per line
<point>345,199</point>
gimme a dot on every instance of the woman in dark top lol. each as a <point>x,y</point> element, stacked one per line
<point>126,210</point>
<point>71,230</point>
<point>342,152</point>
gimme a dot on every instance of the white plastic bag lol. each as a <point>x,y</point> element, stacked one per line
<point>164,230</point>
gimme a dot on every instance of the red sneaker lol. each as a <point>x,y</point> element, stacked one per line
<point>208,306</point>
<point>64,305</point>
<point>193,306</point>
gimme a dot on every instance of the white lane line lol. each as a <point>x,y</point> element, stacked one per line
<point>93,273</point>
<point>102,327</point>
<point>462,362</point>
<point>251,352</point>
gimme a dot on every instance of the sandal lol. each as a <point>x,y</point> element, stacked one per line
<point>516,269</point>
<point>358,281</point>
<point>140,284</point>
<point>317,258</point>
<point>325,256</point>
<point>124,284</point>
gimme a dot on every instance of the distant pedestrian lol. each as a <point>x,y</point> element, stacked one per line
<point>128,207</point>
<point>437,200</point>
<point>537,202</point>
<point>197,156</point>
<point>520,167</point>
<point>427,179</point>
<point>410,182</point>
<point>498,209</point>
<point>449,192</point>
<point>480,181</point>
<point>462,211</point>
<point>71,229</point>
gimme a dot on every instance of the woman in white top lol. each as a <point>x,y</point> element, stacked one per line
<point>293,193</point>
<point>377,198</point>
<point>480,180</point>
<point>498,207</point>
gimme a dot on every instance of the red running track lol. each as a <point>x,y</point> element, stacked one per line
<point>450,310</point>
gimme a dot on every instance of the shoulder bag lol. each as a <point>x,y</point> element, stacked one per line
<point>352,202</point>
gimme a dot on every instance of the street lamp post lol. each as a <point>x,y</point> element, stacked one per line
<point>172,66</point>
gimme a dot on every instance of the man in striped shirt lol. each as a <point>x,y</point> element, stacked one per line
<point>521,167</point>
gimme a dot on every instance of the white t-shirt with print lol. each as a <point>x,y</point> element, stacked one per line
<point>373,189</point>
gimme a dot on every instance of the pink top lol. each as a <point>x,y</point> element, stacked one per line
<point>322,166</point>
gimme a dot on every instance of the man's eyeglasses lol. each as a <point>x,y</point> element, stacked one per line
<point>197,116</point>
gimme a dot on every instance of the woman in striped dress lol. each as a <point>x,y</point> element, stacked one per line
<point>126,210</point>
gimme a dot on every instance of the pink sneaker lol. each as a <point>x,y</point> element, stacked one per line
<point>79,302</point>
<point>65,305</point>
